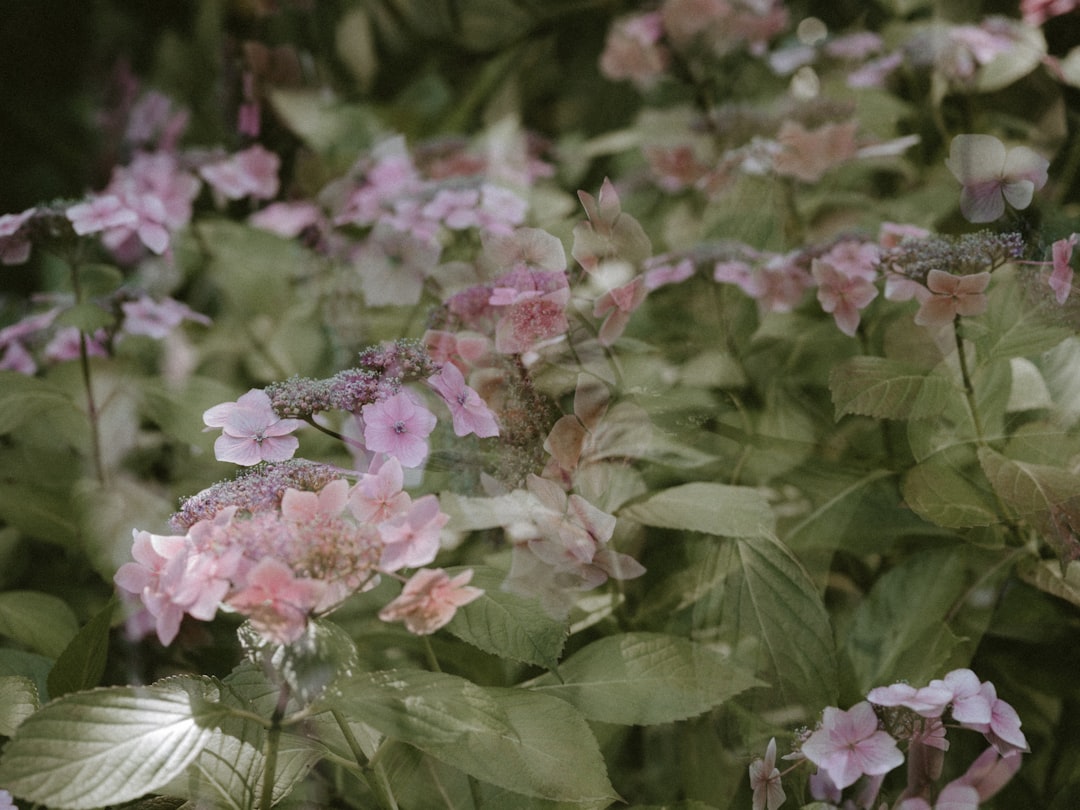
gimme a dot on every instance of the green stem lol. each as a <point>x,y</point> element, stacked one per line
<point>330,432</point>
<point>969,388</point>
<point>429,653</point>
<point>87,377</point>
<point>270,750</point>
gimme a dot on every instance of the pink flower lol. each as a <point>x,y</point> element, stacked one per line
<point>618,305</point>
<point>990,176</point>
<point>67,342</point>
<point>276,601</point>
<point>1002,730</point>
<point>765,780</point>
<point>808,154</point>
<point>306,507</point>
<point>14,243</point>
<point>251,431</point>
<point>393,265</point>
<point>532,308</point>
<point>953,796</point>
<point>288,219</point>
<point>952,296</point>
<point>1036,12</point>
<point>469,412</point>
<point>100,213</point>
<point>632,50</point>
<point>842,295</point>
<point>1062,276</point>
<point>928,701</point>
<point>398,425</point>
<point>250,173</point>
<point>429,600</point>
<point>990,772</point>
<point>850,744</point>
<point>524,248</point>
<point>378,496</point>
<point>145,316</point>
<point>6,801</point>
<point>412,539</point>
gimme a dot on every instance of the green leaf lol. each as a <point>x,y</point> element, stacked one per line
<point>1028,487</point>
<point>98,280</point>
<point>109,745</point>
<point>40,621</point>
<point>887,389</point>
<point>23,398</point>
<point>528,743</point>
<point>508,625</point>
<point>82,663</point>
<point>1047,576</point>
<point>1013,330</point>
<point>645,679</point>
<point>899,632</point>
<point>18,700</point>
<point>719,509</point>
<point>948,498</point>
<point>87,317</point>
<point>29,665</point>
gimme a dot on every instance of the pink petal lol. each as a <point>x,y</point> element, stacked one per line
<point>976,159</point>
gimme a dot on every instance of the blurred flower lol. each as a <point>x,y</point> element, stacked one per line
<point>145,316</point>
<point>411,539</point>
<point>842,295</point>
<point>951,296</point>
<point>765,780</point>
<point>469,412</point>
<point>14,243</point>
<point>953,796</point>
<point>633,51</point>
<point>1061,278</point>
<point>429,600</point>
<point>1036,12</point>
<point>99,213</point>
<point>992,176</point>
<point>250,173</point>
<point>276,601</point>
<point>6,801</point>
<point>849,744</point>
<point>808,154</point>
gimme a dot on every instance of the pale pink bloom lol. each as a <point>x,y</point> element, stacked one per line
<point>144,578</point>
<point>306,507</point>
<point>532,309</point>
<point>609,232</point>
<point>990,772</point>
<point>464,349</point>
<point>765,780</point>
<point>277,602</point>
<point>17,358</point>
<point>6,801</point>
<point>1002,730</point>
<point>412,539</point>
<point>1036,12</point>
<point>953,796</point>
<point>251,431</point>
<point>288,219</point>
<point>777,284</point>
<point>160,194</point>
<point>660,272</point>
<point>66,344</point>
<point>632,50</point>
<point>891,234</point>
<point>156,319</point>
<point>524,248</point>
<point>992,176</point>
<point>1062,276</point>
<point>393,265</point>
<point>378,495</point>
<point>454,207</point>
<point>850,744</point>
<point>875,72</point>
<point>100,213</point>
<point>14,243</point>
<point>429,600</point>
<point>808,154</point>
<point>969,703</point>
<point>929,701</point>
<point>858,45</point>
<point>469,412</point>
<point>501,210</point>
<point>842,295</point>
<point>398,425</point>
<point>250,173</point>
<point>901,288</point>
<point>952,296</point>
<point>618,305</point>
<point>854,259</point>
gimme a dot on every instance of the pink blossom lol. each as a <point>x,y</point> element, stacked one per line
<point>952,296</point>
<point>378,495</point>
<point>809,154</point>
<point>633,51</point>
<point>661,271</point>
<point>953,796</point>
<point>1062,276</point>
<point>14,243</point>
<point>928,701</point>
<point>854,259</point>
<point>609,232</point>
<point>17,358</point>
<point>412,539</point>
<point>393,265</point>
<point>66,344</point>
<point>277,601</point>
<point>524,248</point>
<point>1002,730</point>
<point>99,214</point>
<point>464,349</point>
<point>6,801</point>
<point>992,176</point>
<point>618,304</point>
<point>842,295</point>
<point>251,431</point>
<point>533,309</point>
<point>765,780</point>
<point>307,507</point>
<point>250,173</point>
<point>990,772</point>
<point>288,219</point>
<point>145,316</point>
<point>469,412</point>
<point>1036,12</point>
<point>891,234</point>
<point>849,744</point>
<point>429,600</point>
<point>398,425</point>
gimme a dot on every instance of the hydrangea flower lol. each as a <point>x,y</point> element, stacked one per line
<point>951,296</point>
<point>1061,277</point>
<point>849,744</point>
<point>251,430</point>
<point>992,176</point>
<point>398,426</point>
<point>429,600</point>
<point>765,780</point>
<point>469,412</point>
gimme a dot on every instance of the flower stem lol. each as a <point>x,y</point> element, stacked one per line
<point>84,364</point>
<point>969,387</point>
<point>270,750</point>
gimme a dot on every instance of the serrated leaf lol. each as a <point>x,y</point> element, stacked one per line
<point>18,700</point>
<point>1027,487</point>
<point>109,745</point>
<point>645,679</point>
<point>23,398</point>
<point>40,621</point>
<point>887,389</point>
<point>940,494</point>
<point>82,663</point>
<point>720,509</point>
<point>506,624</point>
<point>528,743</point>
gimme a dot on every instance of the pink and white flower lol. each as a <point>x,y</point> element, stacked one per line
<point>430,599</point>
<point>849,744</point>
<point>399,426</point>
<point>251,431</point>
<point>992,176</point>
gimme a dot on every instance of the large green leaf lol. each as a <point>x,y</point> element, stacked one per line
<point>947,497</point>
<point>1047,576</point>
<point>40,621</point>
<point>23,398</point>
<point>645,679</point>
<point>528,743</point>
<point>18,700</point>
<point>887,389</point>
<point>1027,487</point>
<point>719,509</point>
<point>82,663</point>
<point>108,746</point>
<point>506,624</point>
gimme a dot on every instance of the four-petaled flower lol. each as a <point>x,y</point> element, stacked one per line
<point>469,412</point>
<point>765,780</point>
<point>992,176</point>
<point>251,431</point>
<point>398,425</point>
<point>430,599</point>
<point>850,744</point>
<point>951,296</point>
<point>842,295</point>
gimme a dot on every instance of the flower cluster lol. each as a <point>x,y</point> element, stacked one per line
<point>863,743</point>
